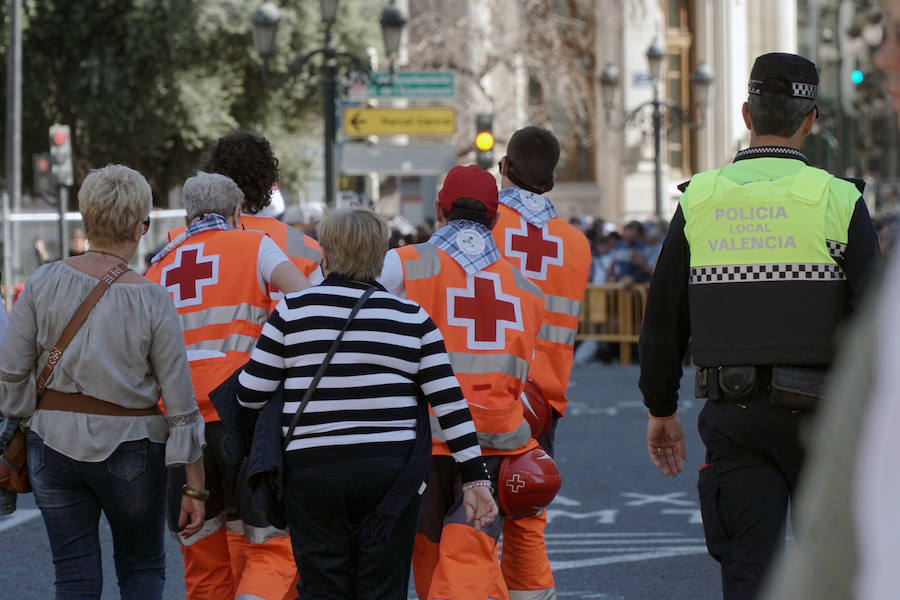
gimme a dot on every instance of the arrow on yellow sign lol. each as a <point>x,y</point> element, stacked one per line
<point>399,121</point>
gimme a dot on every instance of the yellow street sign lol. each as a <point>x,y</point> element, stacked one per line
<point>399,121</point>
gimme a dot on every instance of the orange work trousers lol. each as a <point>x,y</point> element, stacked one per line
<point>524,561</point>
<point>224,565</point>
<point>452,561</point>
<point>463,565</point>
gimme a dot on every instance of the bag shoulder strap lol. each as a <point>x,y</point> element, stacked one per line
<point>321,371</point>
<point>77,321</point>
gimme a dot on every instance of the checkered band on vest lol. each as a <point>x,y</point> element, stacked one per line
<point>798,90</point>
<point>774,272</point>
<point>836,249</point>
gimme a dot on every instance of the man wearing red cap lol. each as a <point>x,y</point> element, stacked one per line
<point>489,315</point>
<point>557,258</point>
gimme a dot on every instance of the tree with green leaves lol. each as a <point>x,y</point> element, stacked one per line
<point>152,83</point>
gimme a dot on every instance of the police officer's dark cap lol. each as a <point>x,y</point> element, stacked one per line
<point>783,73</point>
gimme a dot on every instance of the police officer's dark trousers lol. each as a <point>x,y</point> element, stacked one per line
<point>753,459</point>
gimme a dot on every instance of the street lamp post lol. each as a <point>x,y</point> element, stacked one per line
<point>265,24</point>
<point>701,80</point>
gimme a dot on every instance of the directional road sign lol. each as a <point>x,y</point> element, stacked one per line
<point>417,159</point>
<point>414,85</point>
<point>399,121</point>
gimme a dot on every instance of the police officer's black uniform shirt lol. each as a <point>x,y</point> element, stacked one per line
<point>666,328</point>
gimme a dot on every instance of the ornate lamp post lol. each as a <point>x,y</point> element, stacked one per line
<point>674,114</point>
<point>265,24</point>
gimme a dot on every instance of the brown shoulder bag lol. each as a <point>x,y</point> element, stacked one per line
<point>13,464</point>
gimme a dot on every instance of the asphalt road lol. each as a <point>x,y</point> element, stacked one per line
<point>618,530</point>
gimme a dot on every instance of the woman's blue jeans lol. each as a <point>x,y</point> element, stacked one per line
<point>129,487</point>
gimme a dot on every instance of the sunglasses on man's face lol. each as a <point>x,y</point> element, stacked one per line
<point>145,226</point>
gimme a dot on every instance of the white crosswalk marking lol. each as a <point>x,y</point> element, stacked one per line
<point>610,548</point>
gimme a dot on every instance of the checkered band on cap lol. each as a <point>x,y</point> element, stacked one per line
<point>798,90</point>
<point>770,272</point>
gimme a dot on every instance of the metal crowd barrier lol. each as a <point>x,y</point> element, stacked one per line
<point>613,313</point>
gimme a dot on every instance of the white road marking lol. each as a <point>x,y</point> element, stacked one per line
<point>700,549</point>
<point>557,543</point>
<point>672,498</point>
<point>610,535</point>
<point>562,500</point>
<point>604,517</point>
<point>22,515</point>
<point>695,518</point>
<point>613,410</point>
<point>561,565</point>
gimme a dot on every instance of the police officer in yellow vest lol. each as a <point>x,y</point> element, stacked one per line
<point>763,260</point>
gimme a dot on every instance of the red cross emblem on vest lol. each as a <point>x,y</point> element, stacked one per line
<point>484,310</point>
<point>515,483</point>
<point>535,248</point>
<point>189,273</point>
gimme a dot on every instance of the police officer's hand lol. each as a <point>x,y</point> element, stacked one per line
<point>481,510</point>
<point>665,444</point>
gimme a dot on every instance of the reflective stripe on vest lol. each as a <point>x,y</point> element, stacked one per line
<point>297,246</point>
<point>557,335</point>
<point>523,283</point>
<point>223,315</point>
<point>510,440</point>
<point>291,241</point>
<point>484,363</point>
<point>233,343</point>
<point>563,305</point>
<point>774,272</point>
<point>427,265</point>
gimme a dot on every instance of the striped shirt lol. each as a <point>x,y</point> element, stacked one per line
<point>365,403</point>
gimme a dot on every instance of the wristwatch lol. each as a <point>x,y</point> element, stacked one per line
<point>202,495</point>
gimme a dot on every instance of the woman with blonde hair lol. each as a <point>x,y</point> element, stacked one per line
<point>96,440</point>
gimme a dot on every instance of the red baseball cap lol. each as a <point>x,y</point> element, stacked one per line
<point>473,182</point>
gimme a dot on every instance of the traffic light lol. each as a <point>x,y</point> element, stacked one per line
<point>61,155</point>
<point>484,140</point>
<point>40,164</point>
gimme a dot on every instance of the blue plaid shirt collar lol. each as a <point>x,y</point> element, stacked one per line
<point>207,222</point>
<point>470,244</point>
<point>534,208</point>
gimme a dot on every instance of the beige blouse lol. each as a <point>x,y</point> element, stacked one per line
<point>129,350</point>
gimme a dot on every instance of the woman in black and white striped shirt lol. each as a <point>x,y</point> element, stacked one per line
<point>355,438</point>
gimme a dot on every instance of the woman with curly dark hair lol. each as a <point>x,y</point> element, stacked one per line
<point>248,160</point>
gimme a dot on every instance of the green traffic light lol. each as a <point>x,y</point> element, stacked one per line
<point>856,76</point>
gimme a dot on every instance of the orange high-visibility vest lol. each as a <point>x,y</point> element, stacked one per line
<point>302,250</point>
<point>212,279</point>
<point>489,321</point>
<point>557,258</point>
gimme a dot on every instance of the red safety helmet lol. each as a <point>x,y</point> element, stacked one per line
<point>537,410</point>
<point>527,483</point>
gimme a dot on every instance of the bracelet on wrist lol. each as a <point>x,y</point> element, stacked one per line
<point>479,483</point>
<point>202,495</point>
